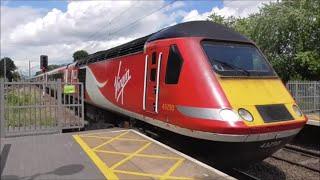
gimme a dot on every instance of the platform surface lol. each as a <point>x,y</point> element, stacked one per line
<point>102,154</point>
<point>55,156</point>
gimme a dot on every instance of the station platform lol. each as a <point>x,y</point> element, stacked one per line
<point>100,154</point>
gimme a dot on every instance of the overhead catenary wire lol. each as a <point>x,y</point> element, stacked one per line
<point>103,27</point>
<point>134,22</point>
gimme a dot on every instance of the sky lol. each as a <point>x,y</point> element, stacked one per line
<point>59,28</point>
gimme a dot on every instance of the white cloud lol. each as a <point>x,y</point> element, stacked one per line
<point>27,33</point>
<point>240,8</point>
<point>84,18</point>
<point>91,25</point>
<point>230,8</point>
<point>12,17</point>
<point>194,15</point>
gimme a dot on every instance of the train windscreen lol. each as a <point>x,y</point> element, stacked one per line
<point>235,59</point>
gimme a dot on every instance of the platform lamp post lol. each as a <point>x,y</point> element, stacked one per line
<point>4,69</point>
<point>44,67</point>
<point>29,69</point>
<point>2,129</point>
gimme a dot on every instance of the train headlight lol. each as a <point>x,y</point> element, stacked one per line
<point>245,114</point>
<point>297,110</point>
<point>229,115</point>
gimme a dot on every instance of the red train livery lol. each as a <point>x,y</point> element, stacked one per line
<point>198,79</point>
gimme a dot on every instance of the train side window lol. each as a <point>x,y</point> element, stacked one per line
<point>154,58</point>
<point>153,74</point>
<point>174,65</point>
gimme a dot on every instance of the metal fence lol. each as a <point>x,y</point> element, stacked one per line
<point>306,94</point>
<point>28,108</point>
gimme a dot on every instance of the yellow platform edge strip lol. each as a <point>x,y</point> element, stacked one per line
<point>111,140</point>
<point>152,175</point>
<point>139,155</point>
<point>108,173</point>
<point>121,139</point>
<point>130,156</point>
<point>172,169</point>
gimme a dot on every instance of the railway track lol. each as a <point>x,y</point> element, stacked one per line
<point>240,174</point>
<point>294,155</point>
<point>290,154</point>
<point>299,157</point>
<point>303,150</point>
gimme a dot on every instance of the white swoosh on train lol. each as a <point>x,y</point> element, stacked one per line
<point>100,85</point>
<point>94,92</point>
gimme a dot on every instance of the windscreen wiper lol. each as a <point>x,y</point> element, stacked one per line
<point>247,73</point>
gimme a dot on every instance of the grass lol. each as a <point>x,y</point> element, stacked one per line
<point>18,114</point>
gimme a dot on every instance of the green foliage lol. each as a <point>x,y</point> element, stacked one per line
<point>80,54</point>
<point>16,76</point>
<point>18,100</point>
<point>288,32</point>
<point>308,63</point>
<point>10,68</point>
<point>218,19</point>
<point>20,117</point>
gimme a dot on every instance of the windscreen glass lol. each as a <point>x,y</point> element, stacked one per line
<point>232,59</point>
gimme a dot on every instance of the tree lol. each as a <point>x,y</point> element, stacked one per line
<point>288,34</point>
<point>16,76</point>
<point>10,68</point>
<point>80,54</point>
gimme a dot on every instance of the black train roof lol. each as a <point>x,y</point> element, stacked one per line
<point>206,29</point>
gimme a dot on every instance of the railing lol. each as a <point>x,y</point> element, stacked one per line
<point>39,107</point>
<point>306,94</point>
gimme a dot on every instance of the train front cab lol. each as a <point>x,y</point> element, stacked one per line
<point>230,97</point>
<point>256,94</point>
